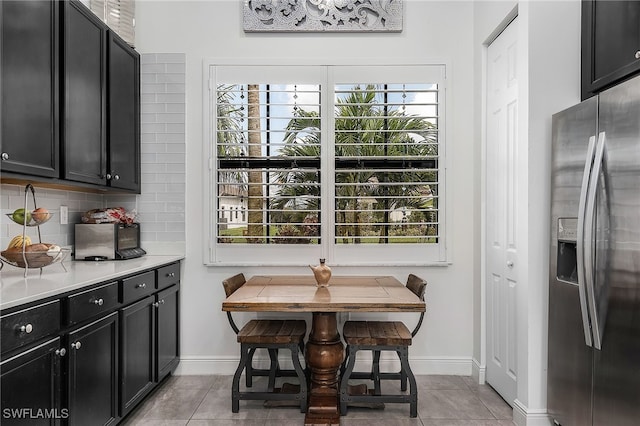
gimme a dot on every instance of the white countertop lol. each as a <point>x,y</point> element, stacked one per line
<point>16,290</point>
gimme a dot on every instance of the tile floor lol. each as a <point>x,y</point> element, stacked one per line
<point>206,401</point>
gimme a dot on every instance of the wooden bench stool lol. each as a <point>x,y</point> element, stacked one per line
<point>378,336</point>
<point>272,335</point>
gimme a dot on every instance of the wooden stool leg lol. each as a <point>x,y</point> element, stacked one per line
<point>375,367</point>
<point>344,379</point>
<point>413,393</point>
<point>403,375</point>
<point>273,369</point>
<point>235,387</point>
<point>301,377</point>
<point>249,372</point>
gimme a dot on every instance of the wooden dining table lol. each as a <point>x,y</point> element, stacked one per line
<point>324,350</point>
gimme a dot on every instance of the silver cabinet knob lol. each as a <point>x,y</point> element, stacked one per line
<point>76,345</point>
<point>5,156</point>
<point>116,177</point>
<point>157,304</point>
<point>98,302</point>
<point>61,352</point>
<point>510,264</point>
<point>637,55</point>
<point>162,302</point>
<point>26,328</point>
<point>143,285</point>
<point>171,275</point>
<point>108,176</point>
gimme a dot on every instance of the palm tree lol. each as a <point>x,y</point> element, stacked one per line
<point>254,202</point>
<point>362,129</point>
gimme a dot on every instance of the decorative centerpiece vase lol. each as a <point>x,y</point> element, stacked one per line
<point>322,273</point>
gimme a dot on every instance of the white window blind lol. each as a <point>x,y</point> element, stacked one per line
<point>386,163</point>
<point>339,162</point>
<point>119,15</point>
<point>268,145</point>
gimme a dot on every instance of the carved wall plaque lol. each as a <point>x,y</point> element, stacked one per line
<point>322,15</point>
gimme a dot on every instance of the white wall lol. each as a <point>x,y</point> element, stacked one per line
<point>432,30</point>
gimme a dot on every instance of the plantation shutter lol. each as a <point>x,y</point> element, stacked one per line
<point>338,162</point>
<point>268,158</point>
<point>388,172</point>
<point>119,15</point>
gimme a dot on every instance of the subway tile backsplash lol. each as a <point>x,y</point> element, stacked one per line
<point>161,206</point>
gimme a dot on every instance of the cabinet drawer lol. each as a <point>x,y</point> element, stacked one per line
<point>168,275</point>
<point>29,325</point>
<point>89,303</point>
<point>138,286</point>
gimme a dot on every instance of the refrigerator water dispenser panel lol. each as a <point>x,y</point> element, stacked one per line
<point>567,265</point>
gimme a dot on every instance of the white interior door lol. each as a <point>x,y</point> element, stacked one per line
<point>502,221</point>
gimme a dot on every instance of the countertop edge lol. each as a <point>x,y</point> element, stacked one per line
<point>16,290</point>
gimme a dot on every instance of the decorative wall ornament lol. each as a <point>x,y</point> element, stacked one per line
<point>322,15</point>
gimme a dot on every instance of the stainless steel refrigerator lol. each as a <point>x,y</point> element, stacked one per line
<point>594,278</point>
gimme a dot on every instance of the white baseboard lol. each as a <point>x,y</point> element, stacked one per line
<point>203,365</point>
<point>528,417</point>
<point>478,372</point>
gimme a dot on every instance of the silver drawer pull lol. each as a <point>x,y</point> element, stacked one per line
<point>171,275</point>
<point>61,352</point>
<point>76,345</point>
<point>98,302</point>
<point>143,285</point>
<point>637,55</point>
<point>162,302</point>
<point>26,328</point>
<point>157,304</point>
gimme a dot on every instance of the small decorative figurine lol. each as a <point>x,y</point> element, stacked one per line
<point>322,274</point>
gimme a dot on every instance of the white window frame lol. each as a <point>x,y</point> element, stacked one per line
<point>335,254</point>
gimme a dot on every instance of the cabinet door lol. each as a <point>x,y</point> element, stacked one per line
<point>610,43</point>
<point>83,133</point>
<point>124,115</point>
<point>30,386</point>
<point>137,351</point>
<point>167,331</point>
<point>29,87</point>
<point>93,373</point>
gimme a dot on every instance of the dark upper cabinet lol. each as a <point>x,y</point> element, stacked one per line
<point>610,43</point>
<point>123,115</point>
<point>70,107</point>
<point>84,107</point>
<point>29,85</point>
<point>93,373</point>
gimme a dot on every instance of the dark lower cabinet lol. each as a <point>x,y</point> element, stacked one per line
<point>137,353</point>
<point>93,373</point>
<point>84,358</point>
<point>167,331</point>
<point>30,386</point>
<point>29,86</point>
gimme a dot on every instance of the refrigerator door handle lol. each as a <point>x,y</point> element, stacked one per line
<point>589,240</point>
<point>580,241</point>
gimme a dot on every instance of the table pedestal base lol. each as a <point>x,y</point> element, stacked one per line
<point>324,355</point>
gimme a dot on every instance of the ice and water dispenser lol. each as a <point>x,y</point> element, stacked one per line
<point>567,266</point>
